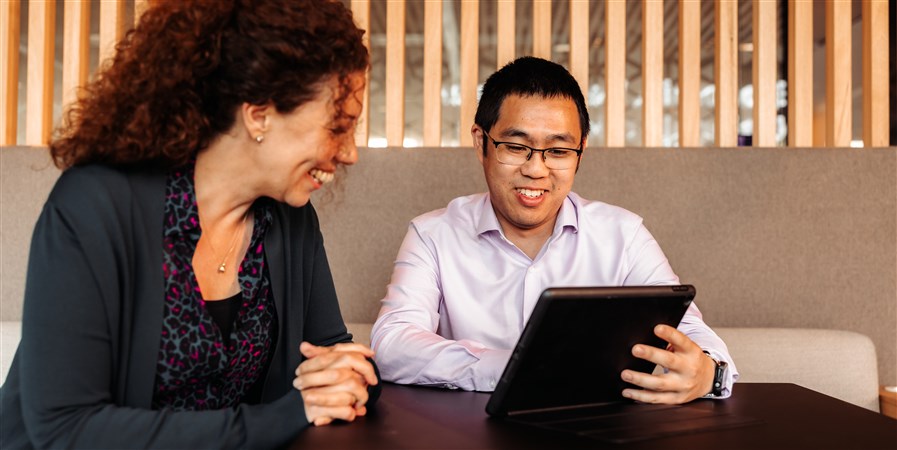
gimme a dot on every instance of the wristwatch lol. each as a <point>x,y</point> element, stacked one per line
<point>719,376</point>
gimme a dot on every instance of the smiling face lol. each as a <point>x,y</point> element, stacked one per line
<point>527,198</point>
<point>302,148</point>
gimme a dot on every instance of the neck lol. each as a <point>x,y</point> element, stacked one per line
<point>224,189</point>
<point>529,240</point>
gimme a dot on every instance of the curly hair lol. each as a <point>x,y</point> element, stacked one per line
<point>178,78</point>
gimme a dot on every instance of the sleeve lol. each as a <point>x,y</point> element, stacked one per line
<point>649,266</point>
<point>70,357</point>
<point>324,323</point>
<point>404,337</point>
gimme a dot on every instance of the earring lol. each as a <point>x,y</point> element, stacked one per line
<point>260,138</point>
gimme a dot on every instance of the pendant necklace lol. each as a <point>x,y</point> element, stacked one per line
<point>223,266</point>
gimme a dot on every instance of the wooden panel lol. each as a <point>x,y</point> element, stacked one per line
<point>876,120</point>
<point>652,72</point>
<point>725,74</point>
<point>764,73</point>
<point>506,33</point>
<point>75,48</point>
<point>838,82</point>
<point>800,73</point>
<point>112,27</point>
<point>140,6</point>
<point>689,73</point>
<point>361,11</point>
<point>615,73</point>
<point>579,43</point>
<point>39,98</point>
<point>470,56</point>
<point>432,74</point>
<point>10,26</point>
<point>395,73</point>
<point>542,29</point>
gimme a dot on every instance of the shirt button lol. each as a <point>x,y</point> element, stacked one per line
<point>492,383</point>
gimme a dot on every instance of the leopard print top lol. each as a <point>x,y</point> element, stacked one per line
<point>196,369</point>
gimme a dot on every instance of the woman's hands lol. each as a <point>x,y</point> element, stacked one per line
<point>334,381</point>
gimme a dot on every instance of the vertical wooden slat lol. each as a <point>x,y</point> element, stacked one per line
<point>764,73</point>
<point>800,73</point>
<point>838,82</point>
<point>432,74</point>
<point>652,72</point>
<point>615,73</point>
<point>361,11</point>
<point>725,73</point>
<point>395,73</point>
<point>542,29</point>
<point>112,27</point>
<point>689,72</point>
<point>10,26</point>
<point>39,98</point>
<point>140,6</point>
<point>470,36</point>
<point>579,43</point>
<point>876,120</point>
<point>75,48</point>
<point>506,33</point>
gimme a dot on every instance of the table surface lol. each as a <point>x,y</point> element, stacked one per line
<point>790,416</point>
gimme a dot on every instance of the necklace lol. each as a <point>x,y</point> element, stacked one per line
<point>222,267</point>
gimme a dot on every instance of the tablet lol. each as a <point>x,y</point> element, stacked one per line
<point>578,340</point>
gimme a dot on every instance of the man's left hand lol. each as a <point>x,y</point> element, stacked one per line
<point>689,372</point>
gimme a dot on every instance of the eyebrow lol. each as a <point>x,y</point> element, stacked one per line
<point>516,132</point>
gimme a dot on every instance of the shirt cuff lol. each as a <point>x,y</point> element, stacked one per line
<point>729,378</point>
<point>489,368</point>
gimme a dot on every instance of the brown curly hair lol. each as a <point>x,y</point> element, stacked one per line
<point>177,79</point>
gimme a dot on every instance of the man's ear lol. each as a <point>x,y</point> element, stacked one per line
<point>256,119</point>
<point>476,133</point>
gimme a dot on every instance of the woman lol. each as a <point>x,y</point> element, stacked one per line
<point>177,267</point>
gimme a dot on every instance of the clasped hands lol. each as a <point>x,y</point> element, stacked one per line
<point>334,381</point>
<point>688,375</point>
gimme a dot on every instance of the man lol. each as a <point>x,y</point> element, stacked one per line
<point>468,276</point>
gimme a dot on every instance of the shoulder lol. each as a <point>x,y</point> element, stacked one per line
<point>593,212</point>
<point>93,188</point>
<point>460,213</point>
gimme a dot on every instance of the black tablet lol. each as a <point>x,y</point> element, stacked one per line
<point>578,340</point>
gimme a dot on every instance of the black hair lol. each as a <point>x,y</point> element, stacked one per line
<point>529,76</point>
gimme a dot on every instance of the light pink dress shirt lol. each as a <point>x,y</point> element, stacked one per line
<point>461,293</point>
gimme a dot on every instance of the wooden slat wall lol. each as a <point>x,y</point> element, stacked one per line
<point>836,126</point>
<point>112,26</point>
<point>470,56</point>
<point>432,101</point>
<point>506,33</point>
<point>615,73</point>
<point>725,72</point>
<point>764,73</point>
<point>838,83</point>
<point>10,27</point>
<point>361,12</point>
<point>876,115</point>
<point>395,73</point>
<point>689,73</point>
<point>800,73</point>
<point>652,72</point>
<point>542,28</point>
<point>39,95</point>
<point>75,48</point>
<point>579,43</point>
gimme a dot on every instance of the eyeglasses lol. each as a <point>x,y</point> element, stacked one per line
<point>555,158</point>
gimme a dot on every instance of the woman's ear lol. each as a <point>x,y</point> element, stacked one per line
<point>256,119</point>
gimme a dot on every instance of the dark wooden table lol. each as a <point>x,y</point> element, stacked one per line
<point>790,417</point>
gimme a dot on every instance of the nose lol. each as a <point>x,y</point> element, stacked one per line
<point>535,166</point>
<point>348,152</point>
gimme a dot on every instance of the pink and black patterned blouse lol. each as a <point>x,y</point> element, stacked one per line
<point>198,367</point>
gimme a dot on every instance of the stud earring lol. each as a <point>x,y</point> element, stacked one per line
<point>260,138</point>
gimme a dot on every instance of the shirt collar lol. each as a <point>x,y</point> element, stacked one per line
<point>567,217</point>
